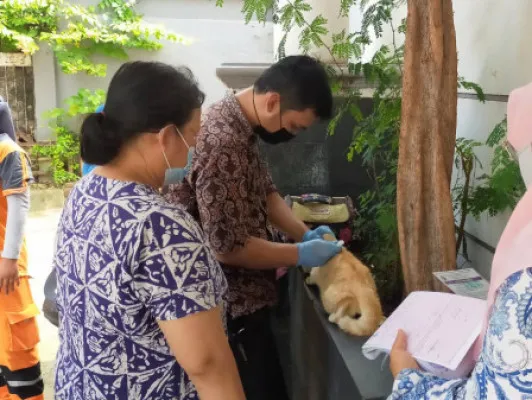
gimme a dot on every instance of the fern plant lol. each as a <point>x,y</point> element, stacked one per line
<point>489,193</point>
<point>501,189</point>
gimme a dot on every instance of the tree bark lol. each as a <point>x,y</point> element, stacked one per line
<point>427,140</point>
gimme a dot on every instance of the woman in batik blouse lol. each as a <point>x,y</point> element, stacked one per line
<point>139,293</point>
<point>504,352</point>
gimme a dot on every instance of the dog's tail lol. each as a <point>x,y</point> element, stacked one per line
<point>370,314</point>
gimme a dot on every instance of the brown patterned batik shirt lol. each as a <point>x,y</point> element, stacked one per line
<point>226,192</point>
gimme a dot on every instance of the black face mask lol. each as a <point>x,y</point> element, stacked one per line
<point>280,136</point>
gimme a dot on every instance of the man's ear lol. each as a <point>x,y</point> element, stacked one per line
<point>273,102</point>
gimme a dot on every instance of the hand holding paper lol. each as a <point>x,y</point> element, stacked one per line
<point>441,329</point>
<point>400,358</point>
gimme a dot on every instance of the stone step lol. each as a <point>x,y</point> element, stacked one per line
<point>43,198</point>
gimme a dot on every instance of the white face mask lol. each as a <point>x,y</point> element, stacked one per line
<point>525,165</point>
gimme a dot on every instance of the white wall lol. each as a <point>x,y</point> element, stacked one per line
<point>493,41</point>
<point>217,35</point>
<point>44,71</point>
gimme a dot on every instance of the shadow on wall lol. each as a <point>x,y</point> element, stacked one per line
<point>315,162</point>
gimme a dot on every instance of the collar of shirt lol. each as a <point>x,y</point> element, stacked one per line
<point>243,124</point>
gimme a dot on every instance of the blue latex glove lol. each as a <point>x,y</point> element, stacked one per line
<point>317,252</point>
<point>317,233</point>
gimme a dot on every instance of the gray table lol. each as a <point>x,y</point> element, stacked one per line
<point>320,362</point>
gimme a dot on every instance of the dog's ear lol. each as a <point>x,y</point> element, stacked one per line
<point>341,308</point>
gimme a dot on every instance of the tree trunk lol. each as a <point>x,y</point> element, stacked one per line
<point>428,135</point>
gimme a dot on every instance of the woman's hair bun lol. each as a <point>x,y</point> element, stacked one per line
<point>99,145</point>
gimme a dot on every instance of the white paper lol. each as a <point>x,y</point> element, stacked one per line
<point>465,282</point>
<point>441,328</point>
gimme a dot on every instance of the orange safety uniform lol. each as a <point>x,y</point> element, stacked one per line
<point>20,371</point>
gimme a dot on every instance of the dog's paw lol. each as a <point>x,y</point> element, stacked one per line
<point>309,280</point>
<point>333,318</point>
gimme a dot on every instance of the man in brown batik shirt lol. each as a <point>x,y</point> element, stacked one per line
<point>230,191</point>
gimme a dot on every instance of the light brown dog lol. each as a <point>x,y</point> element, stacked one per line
<point>348,293</point>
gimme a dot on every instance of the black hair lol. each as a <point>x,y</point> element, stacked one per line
<point>302,83</point>
<point>142,97</point>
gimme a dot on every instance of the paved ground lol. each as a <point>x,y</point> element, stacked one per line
<point>40,240</point>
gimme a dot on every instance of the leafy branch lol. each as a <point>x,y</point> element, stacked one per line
<point>255,8</point>
<point>491,193</point>
<point>503,186</point>
<point>76,33</point>
<point>463,84</point>
<point>312,33</point>
<point>63,122</point>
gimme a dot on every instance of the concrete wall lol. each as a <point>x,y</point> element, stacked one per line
<point>493,51</point>
<point>318,162</point>
<point>217,35</point>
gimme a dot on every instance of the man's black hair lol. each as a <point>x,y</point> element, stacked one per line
<point>302,83</point>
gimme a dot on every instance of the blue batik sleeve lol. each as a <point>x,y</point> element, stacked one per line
<point>177,274</point>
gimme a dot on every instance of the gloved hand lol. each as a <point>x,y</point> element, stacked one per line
<point>317,233</point>
<point>317,252</point>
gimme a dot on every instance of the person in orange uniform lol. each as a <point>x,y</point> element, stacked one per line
<point>20,371</point>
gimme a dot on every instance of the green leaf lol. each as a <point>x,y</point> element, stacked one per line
<point>256,9</point>
<point>54,113</point>
<point>281,49</point>
<point>462,83</point>
<point>333,124</point>
<point>498,134</point>
<point>64,153</point>
<point>111,50</point>
<point>355,112</point>
<point>312,34</point>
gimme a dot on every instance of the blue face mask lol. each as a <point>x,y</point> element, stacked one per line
<point>174,176</point>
